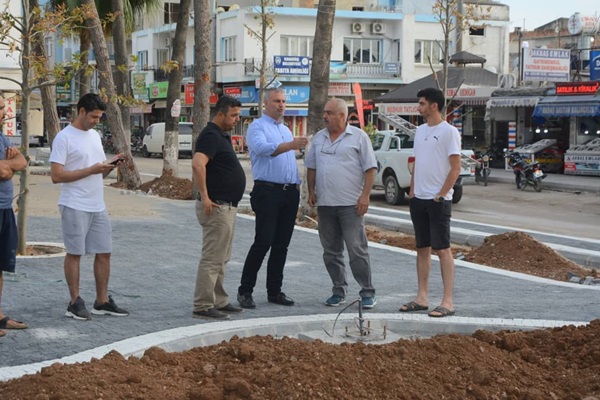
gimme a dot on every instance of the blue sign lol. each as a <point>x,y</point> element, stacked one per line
<point>291,65</point>
<point>391,68</point>
<point>297,94</point>
<point>595,65</point>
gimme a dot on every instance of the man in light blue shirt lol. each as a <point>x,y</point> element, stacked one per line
<point>274,198</point>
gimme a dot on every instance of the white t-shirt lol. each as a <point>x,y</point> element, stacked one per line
<point>433,146</point>
<point>76,149</point>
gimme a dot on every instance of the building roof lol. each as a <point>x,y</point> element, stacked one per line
<point>469,76</point>
<point>464,57</point>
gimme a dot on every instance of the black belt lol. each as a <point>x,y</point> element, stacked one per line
<point>282,186</point>
<point>226,203</point>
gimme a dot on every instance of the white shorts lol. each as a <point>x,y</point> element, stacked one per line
<point>86,232</point>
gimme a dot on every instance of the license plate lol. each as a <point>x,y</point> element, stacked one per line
<point>537,173</point>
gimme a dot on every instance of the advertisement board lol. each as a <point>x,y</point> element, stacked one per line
<point>550,65</point>
<point>582,164</point>
<point>595,65</point>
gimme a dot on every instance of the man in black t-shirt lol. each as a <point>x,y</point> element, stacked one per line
<point>221,181</point>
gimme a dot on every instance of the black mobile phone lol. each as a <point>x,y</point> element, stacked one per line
<point>115,162</point>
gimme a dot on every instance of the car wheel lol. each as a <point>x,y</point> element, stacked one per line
<point>394,194</point>
<point>457,195</point>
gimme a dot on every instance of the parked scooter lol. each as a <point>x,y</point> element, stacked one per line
<point>526,173</point>
<point>482,166</point>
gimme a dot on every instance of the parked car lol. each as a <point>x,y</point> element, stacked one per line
<point>154,140</point>
<point>395,157</point>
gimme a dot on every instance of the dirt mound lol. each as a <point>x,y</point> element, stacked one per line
<point>170,187</point>
<point>519,252</point>
<point>558,363</point>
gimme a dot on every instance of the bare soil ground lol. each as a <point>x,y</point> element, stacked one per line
<point>561,363</point>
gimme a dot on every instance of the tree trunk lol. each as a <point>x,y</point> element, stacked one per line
<point>51,120</point>
<point>23,197</point>
<point>129,170</point>
<point>83,77</point>
<point>202,70</point>
<point>319,81</point>
<point>263,64</point>
<point>171,149</point>
<point>122,65</point>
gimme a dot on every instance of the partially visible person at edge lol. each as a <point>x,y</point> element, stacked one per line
<point>221,182</point>
<point>274,198</point>
<point>437,166</point>
<point>78,164</point>
<point>341,170</point>
<point>11,161</point>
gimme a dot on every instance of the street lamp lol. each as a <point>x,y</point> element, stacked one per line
<point>519,33</point>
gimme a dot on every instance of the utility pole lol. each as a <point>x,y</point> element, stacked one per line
<point>519,33</point>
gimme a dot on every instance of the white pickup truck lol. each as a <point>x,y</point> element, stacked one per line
<point>394,153</point>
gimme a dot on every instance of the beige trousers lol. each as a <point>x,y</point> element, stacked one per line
<point>217,238</point>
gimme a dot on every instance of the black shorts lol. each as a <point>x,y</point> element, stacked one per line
<point>8,241</point>
<point>431,221</point>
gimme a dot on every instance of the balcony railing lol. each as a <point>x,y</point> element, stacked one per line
<point>160,75</point>
<point>385,70</point>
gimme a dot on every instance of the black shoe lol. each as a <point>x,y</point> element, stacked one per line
<point>110,308</point>
<point>78,311</point>
<point>246,300</point>
<point>211,313</point>
<point>230,308</point>
<point>281,299</point>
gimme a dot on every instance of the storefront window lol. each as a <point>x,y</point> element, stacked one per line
<point>588,129</point>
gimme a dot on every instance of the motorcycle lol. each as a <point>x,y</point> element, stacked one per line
<point>526,173</point>
<point>482,166</point>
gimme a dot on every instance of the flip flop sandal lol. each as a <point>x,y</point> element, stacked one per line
<point>441,312</point>
<point>8,323</point>
<point>413,306</point>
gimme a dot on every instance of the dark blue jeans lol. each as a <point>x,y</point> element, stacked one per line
<point>275,210</point>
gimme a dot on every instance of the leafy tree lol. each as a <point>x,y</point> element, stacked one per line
<point>266,23</point>
<point>129,170</point>
<point>454,18</point>
<point>24,36</point>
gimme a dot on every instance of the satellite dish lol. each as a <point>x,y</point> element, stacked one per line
<point>220,10</point>
<point>234,7</point>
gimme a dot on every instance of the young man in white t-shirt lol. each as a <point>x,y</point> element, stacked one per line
<point>78,163</point>
<point>437,166</point>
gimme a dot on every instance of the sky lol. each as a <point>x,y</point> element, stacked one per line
<point>533,13</point>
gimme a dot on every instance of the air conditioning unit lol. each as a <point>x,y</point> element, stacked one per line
<point>378,28</point>
<point>167,41</point>
<point>358,27</point>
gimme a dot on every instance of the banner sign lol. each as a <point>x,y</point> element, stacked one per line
<point>552,65</point>
<point>339,89</point>
<point>158,90</point>
<point>291,65</point>
<point>595,65</point>
<point>139,83</point>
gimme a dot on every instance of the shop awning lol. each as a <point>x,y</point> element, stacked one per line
<point>513,101</point>
<point>568,106</point>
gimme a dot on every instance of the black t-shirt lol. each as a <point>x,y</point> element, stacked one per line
<point>225,177</point>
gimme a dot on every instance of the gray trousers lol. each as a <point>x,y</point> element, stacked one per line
<point>339,225</point>
<point>217,238</point>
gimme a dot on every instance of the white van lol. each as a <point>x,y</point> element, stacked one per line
<point>154,140</point>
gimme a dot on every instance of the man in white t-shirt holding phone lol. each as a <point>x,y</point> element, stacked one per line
<point>437,166</point>
<point>78,164</point>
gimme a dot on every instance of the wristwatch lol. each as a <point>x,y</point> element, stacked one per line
<point>441,198</point>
